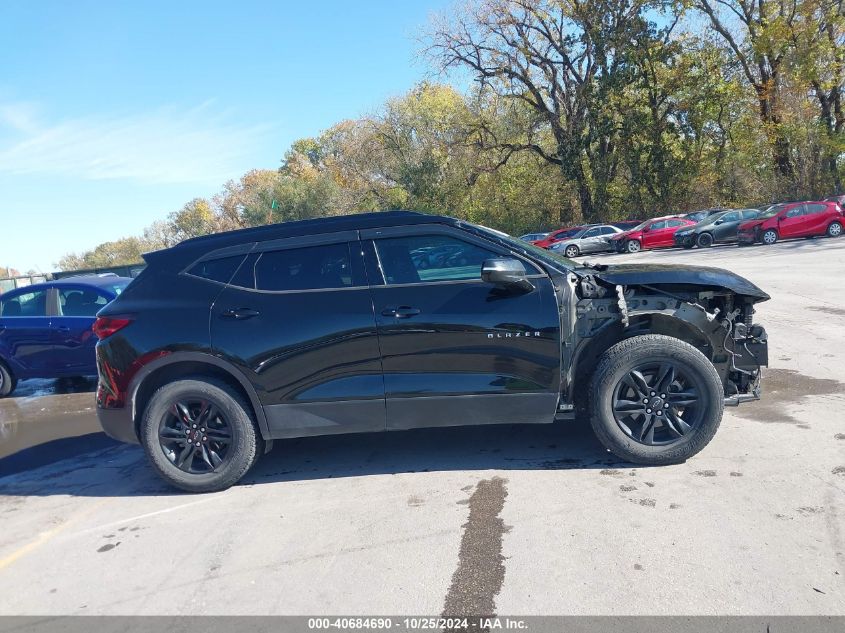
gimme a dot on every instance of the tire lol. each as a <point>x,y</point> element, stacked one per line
<point>835,229</point>
<point>231,416</point>
<point>7,381</point>
<point>624,433</point>
<point>572,251</point>
<point>705,240</point>
<point>633,246</point>
<point>769,237</point>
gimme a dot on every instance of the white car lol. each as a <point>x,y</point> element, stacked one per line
<point>591,239</point>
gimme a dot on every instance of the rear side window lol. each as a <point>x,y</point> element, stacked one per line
<point>81,302</point>
<point>816,208</point>
<point>217,269</point>
<point>312,268</point>
<point>750,214</point>
<point>30,304</point>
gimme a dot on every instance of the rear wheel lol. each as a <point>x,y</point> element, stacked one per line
<point>655,400</point>
<point>7,381</point>
<point>572,251</point>
<point>835,229</point>
<point>633,246</point>
<point>769,237</point>
<point>199,435</point>
<point>705,240</point>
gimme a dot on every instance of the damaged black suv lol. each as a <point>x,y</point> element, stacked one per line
<point>400,320</point>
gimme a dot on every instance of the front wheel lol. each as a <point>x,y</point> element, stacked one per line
<point>199,435</point>
<point>835,229</point>
<point>7,381</point>
<point>571,251</point>
<point>769,237</point>
<point>705,240</point>
<point>655,400</point>
<point>633,246</point>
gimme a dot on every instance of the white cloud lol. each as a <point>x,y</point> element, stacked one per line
<point>166,145</point>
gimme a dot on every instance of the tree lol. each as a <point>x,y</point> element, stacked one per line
<point>560,57</point>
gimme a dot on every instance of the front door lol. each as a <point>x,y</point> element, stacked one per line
<point>456,350</point>
<point>297,319</point>
<point>25,332</point>
<point>791,223</point>
<point>726,227</point>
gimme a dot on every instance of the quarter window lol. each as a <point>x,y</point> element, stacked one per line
<point>312,268</point>
<point>217,269</point>
<point>429,258</point>
<point>30,304</point>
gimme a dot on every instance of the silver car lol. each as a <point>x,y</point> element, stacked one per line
<point>591,239</point>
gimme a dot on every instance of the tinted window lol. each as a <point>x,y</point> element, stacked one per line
<point>591,233</point>
<point>606,230</point>
<point>80,301</point>
<point>658,225</point>
<point>419,258</point>
<point>217,269</point>
<point>816,208</point>
<point>795,212</point>
<point>311,268</point>
<point>673,223</point>
<point>731,217</point>
<point>29,304</point>
<point>750,214</point>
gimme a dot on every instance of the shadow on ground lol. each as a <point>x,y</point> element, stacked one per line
<point>123,470</point>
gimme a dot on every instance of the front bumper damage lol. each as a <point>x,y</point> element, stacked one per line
<point>749,353</point>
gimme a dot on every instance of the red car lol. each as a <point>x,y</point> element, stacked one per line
<point>654,233</point>
<point>795,219</point>
<point>557,236</point>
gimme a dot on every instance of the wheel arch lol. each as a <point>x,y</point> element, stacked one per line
<point>180,364</point>
<point>588,355</point>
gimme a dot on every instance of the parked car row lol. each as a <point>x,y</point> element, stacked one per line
<point>702,229</point>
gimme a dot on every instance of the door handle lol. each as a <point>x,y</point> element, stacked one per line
<point>240,314</point>
<point>402,312</point>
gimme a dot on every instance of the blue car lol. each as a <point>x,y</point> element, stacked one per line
<point>45,329</point>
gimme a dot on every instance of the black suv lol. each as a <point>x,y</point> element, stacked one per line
<point>348,324</point>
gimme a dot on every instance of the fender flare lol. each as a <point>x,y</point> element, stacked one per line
<point>172,358</point>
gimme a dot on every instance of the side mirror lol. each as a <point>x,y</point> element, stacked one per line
<point>505,272</point>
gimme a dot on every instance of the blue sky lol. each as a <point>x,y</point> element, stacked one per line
<point>113,114</point>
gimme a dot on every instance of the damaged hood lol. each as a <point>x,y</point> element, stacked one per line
<point>661,274</point>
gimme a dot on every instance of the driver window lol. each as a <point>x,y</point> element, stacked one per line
<point>657,225</point>
<point>591,233</point>
<point>731,217</point>
<point>794,213</point>
<point>429,258</point>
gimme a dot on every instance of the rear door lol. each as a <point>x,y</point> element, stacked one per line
<point>25,331</point>
<point>72,338</point>
<point>816,218</point>
<point>455,350</point>
<point>297,319</point>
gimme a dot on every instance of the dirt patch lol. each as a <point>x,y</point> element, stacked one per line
<point>782,388</point>
<point>415,502</point>
<point>829,310</point>
<point>705,473</point>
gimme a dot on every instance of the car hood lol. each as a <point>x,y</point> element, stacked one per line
<point>661,274</point>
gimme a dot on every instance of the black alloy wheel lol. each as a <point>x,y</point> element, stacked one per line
<point>195,436</point>
<point>657,404</point>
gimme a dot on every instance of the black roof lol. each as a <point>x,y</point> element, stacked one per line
<point>353,222</point>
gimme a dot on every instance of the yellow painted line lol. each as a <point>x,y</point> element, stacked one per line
<point>46,536</point>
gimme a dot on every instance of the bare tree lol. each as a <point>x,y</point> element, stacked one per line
<point>555,56</point>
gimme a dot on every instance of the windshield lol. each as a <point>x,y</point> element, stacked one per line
<point>526,248</point>
<point>566,233</point>
<point>772,211</point>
